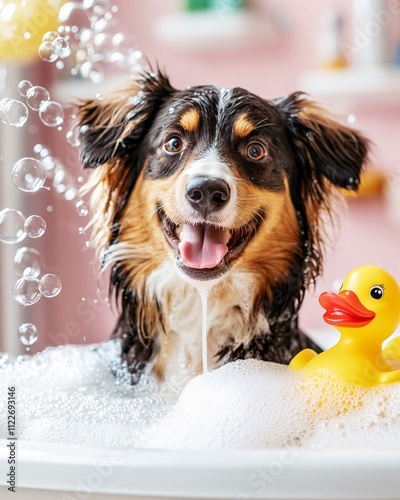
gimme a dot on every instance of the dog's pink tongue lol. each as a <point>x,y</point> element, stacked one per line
<point>202,247</point>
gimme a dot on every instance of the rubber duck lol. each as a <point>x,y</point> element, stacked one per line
<point>366,311</point>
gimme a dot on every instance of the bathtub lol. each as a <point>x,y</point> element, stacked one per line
<point>64,472</point>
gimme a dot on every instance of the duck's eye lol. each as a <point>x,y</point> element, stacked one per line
<point>256,151</point>
<point>376,292</point>
<point>173,145</point>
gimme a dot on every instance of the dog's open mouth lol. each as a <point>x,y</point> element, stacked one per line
<point>204,251</point>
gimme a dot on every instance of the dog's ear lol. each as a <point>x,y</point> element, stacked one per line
<point>114,125</point>
<point>323,147</point>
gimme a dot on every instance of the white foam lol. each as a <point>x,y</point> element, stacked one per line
<point>69,395</point>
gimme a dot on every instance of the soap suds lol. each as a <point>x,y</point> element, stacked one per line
<point>82,395</point>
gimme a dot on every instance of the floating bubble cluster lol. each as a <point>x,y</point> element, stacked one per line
<point>37,98</point>
<point>92,47</point>
<point>13,112</point>
<point>14,227</point>
<point>29,289</point>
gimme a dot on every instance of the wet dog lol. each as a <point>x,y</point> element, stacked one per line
<point>218,186</point>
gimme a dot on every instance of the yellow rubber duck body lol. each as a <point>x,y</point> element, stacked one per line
<point>366,311</point>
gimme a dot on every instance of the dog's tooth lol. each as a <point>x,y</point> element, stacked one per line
<point>178,230</point>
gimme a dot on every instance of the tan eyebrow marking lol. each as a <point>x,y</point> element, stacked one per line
<point>243,126</point>
<point>190,120</point>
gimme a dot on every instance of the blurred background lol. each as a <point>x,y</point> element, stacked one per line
<point>345,54</point>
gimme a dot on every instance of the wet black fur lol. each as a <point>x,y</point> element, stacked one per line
<point>308,151</point>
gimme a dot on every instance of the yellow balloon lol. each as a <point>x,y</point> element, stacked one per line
<point>22,26</point>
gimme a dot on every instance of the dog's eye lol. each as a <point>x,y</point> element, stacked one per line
<point>173,145</point>
<point>256,151</point>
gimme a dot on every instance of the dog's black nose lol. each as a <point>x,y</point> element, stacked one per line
<point>207,194</point>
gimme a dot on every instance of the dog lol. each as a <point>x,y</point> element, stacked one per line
<point>211,186</point>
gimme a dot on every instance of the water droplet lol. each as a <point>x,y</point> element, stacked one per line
<point>36,97</point>
<point>59,65</point>
<point>13,112</point>
<point>61,47</point>
<point>28,174</point>
<point>351,118</point>
<point>171,110</point>
<point>27,262</point>
<point>35,226</point>
<point>50,208</point>
<point>23,87</point>
<point>46,52</point>
<point>11,226</point>
<point>50,36</point>
<point>28,334</point>
<point>26,291</point>
<point>82,208</point>
<point>50,285</point>
<point>51,113</point>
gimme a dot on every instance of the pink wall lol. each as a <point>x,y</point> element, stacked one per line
<point>272,67</point>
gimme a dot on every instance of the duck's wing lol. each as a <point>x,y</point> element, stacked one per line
<point>302,358</point>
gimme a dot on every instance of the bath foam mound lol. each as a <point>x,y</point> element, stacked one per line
<point>69,395</point>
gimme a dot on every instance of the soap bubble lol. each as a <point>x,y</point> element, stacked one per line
<point>50,285</point>
<point>351,119</point>
<point>92,72</point>
<point>36,97</point>
<point>11,226</point>
<point>50,36</point>
<point>13,112</point>
<point>27,262</point>
<point>65,13</point>
<point>73,137</point>
<point>28,175</point>
<point>82,208</point>
<point>46,52</point>
<point>26,291</point>
<point>61,47</point>
<point>28,334</point>
<point>71,193</point>
<point>96,8</point>
<point>23,87</point>
<point>35,226</point>
<point>51,113</point>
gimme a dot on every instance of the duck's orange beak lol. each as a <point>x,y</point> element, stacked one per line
<point>345,309</point>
